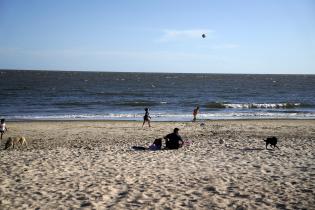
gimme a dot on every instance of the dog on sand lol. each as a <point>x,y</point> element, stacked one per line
<point>272,141</point>
<point>14,141</point>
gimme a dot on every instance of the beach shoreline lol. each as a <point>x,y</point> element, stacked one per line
<point>152,120</point>
<point>90,164</point>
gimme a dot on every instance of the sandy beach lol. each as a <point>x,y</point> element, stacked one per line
<point>90,164</point>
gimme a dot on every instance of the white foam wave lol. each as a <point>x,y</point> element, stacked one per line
<point>170,116</point>
<point>262,105</point>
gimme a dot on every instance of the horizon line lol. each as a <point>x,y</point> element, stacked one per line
<point>153,72</point>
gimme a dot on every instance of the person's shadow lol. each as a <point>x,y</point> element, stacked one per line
<point>139,148</point>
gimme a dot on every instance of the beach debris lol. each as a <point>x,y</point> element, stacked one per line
<point>221,141</point>
<point>202,134</point>
<point>187,143</point>
<point>202,124</point>
<point>211,189</point>
<point>213,133</point>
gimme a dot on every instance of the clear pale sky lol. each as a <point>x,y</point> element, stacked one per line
<point>243,36</point>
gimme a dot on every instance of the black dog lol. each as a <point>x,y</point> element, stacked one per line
<point>272,141</point>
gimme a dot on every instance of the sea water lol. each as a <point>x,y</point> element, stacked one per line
<point>31,95</point>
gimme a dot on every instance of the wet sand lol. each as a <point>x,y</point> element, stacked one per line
<point>90,165</point>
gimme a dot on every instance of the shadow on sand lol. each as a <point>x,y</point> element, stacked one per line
<point>246,149</point>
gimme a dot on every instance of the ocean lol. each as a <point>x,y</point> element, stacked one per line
<point>62,95</point>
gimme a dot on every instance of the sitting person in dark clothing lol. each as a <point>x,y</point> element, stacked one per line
<point>157,144</point>
<point>173,140</point>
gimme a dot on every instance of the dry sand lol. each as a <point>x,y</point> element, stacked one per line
<point>90,164</point>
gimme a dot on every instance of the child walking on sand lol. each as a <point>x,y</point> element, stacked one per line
<point>146,117</point>
<point>3,128</point>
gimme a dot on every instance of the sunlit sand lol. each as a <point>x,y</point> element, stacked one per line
<point>77,164</point>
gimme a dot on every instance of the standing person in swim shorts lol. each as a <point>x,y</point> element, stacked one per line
<point>146,117</point>
<point>2,127</point>
<point>195,112</point>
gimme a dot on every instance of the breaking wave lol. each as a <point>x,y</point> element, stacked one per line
<point>216,105</point>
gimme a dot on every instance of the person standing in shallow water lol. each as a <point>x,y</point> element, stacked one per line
<point>146,117</point>
<point>195,112</point>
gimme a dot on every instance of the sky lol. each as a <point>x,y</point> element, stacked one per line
<point>242,36</point>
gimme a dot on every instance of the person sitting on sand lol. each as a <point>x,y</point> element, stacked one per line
<point>146,117</point>
<point>3,128</point>
<point>157,145</point>
<point>173,140</point>
<point>195,112</point>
